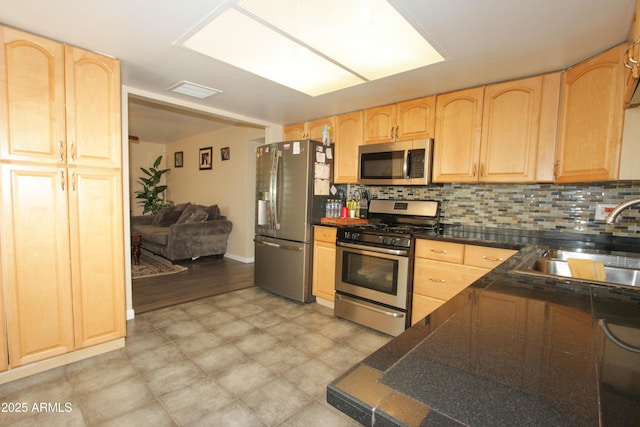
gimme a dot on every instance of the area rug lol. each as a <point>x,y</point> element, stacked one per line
<point>152,265</point>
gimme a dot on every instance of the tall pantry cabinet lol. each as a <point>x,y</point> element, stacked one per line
<point>61,235</point>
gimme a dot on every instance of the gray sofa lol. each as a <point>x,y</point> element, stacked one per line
<point>184,231</point>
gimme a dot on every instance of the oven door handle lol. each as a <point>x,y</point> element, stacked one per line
<point>368,307</point>
<point>399,252</point>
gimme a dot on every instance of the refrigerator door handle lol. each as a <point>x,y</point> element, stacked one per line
<point>273,188</point>
<point>277,245</point>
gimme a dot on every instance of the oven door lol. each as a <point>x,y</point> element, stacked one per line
<point>376,274</point>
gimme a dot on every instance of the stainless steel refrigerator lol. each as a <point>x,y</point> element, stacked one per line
<point>292,187</point>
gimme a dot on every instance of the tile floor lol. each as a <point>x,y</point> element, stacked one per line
<point>246,358</point>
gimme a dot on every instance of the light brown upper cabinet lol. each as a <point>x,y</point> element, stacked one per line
<point>590,129</point>
<point>348,138</point>
<point>403,121</point>
<point>309,130</point>
<point>458,136</point>
<point>632,60</point>
<point>295,132</point>
<point>518,127</point>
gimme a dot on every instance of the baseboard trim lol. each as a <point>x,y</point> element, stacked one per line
<point>57,361</point>
<point>239,258</point>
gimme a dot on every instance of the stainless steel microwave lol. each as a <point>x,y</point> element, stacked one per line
<point>396,163</point>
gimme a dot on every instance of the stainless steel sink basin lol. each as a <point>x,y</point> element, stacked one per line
<point>619,269</point>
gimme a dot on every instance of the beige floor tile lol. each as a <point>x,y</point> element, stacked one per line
<point>220,359</point>
<point>173,376</point>
<point>115,400</point>
<point>197,401</point>
<point>151,415</point>
<point>276,401</point>
<point>243,377</point>
<point>236,414</point>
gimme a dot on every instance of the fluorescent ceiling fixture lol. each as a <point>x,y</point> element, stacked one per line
<point>193,89</point>
<point>245,43</point>
<point>315,46</point>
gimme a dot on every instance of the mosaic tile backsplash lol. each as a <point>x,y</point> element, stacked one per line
<point>525,206</point>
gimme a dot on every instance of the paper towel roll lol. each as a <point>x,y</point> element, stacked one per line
<point>263,210</point>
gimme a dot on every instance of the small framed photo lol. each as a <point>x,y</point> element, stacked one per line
<point>205,158</point>
<point>225,153</point>
<point>177,159</point>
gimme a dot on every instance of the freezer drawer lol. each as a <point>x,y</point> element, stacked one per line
<point>283,267</point>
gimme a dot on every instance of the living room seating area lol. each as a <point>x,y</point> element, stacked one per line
<point>184,231</point>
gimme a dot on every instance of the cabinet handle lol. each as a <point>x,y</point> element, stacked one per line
<point>73,181</point>
<point>62,180</point>
<point>397,129</point>
<point>436,280</point>
<point>61,150</point>
<point>490,258</point>
<point>73,152</point>
<point>556,167</point>
<point>438,251</point>
<point>475,167</point>
<point>482,170</point>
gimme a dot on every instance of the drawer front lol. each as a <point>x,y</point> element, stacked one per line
<point>325,234</point>
<point>440,251</point>
<point>423,306</point>
<point>442,280</point>
<point>485,257</point>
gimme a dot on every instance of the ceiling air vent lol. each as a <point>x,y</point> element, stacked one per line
<point>193,89</point>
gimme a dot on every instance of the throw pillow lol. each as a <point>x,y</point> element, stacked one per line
<point>213,212</point>
<point>161,214</point>
<point>199,215</point>
<point>186,213</point>
<point>170,218</point>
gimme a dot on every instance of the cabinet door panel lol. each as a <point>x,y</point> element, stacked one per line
<point>590,131</point>
<point>348,138</point>
<point>416,118</point>
<point>94,137</point>
<point>32,106</point>
<point>324,270</point>
<point>458,130</point>
<point>443,280</point>
<point>422,306</point>
<point>511,117</point>
<point>97,259</point>
<point>486,257</point>
<point>440,251</point>
<point>316,128</point>
<point>36,260</point>
<point>295,132</point>
<point>379,124</point>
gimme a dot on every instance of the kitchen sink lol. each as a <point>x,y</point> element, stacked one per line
<point>619,269</point>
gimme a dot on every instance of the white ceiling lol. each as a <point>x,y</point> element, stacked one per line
<point>483,41</point>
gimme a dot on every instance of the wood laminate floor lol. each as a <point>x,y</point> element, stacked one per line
<point>205,277</point>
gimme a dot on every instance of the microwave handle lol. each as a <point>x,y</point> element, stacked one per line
<point>407,165</point>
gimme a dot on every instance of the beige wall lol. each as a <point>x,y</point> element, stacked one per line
<point>629,168</point>
<point>230,184</point>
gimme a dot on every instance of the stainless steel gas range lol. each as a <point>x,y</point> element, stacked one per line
<point>374,263</point>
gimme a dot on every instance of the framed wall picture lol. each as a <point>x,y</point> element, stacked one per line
<point>177,159</point>
<point>225,153</point>
<point>206,158</point>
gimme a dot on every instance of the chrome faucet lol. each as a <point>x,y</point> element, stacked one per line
<point>622,206</point>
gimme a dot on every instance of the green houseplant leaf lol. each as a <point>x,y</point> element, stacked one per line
<point>153,194</point>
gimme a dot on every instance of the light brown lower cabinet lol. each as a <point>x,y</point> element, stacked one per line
<point>62,262</point>
<point>444,269</point>
<point>324,262</point>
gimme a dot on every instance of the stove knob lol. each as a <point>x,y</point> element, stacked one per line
<point>393,241</point>
<point>347,234</point>
<point>385,240</point>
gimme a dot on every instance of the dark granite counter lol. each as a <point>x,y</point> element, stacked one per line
<point>512,349</point>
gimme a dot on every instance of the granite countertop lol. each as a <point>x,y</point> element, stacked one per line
<point>512,349</point>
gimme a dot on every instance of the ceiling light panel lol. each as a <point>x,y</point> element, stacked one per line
<point>369,37</point>
<point>239,40</point>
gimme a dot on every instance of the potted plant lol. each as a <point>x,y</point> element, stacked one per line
<point>152,195</point>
